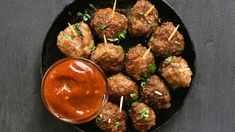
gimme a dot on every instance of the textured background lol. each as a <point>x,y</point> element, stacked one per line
<point>211,104</point>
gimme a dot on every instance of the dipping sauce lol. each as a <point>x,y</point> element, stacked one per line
<point>74,90</point>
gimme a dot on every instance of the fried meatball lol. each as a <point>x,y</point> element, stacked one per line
<point>136,65</point>
<point>104,24</point>
<point>160,44</point>
<point>76,40</point>
<point>111,119</point>
<point>155,92</point>
<point>109,57</point>
<point>121,85</point>
<point>139,24</point>
<point>176,72</point>
<point>143,117</point>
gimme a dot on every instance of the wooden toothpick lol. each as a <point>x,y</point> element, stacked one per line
<point>114,8</point>
<point>121,103</point>
<point>146,53</point>
<point>106,44</point>
<point>71,27</point>
<point>173,33</point>
<point>148,11</point>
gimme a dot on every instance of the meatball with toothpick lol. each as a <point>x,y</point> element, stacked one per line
<point>176,72</point>
<point>139,62</point>
<point>111,119</point>
<point>76,40</point>
<point>167,40</point>
<point>143,19</point>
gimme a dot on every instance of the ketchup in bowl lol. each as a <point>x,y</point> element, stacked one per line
<point>74,90</point>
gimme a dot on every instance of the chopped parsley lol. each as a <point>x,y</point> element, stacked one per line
<point>92,6</point>
<point>151,68</point>
<point>79,14</point>
<point>144,76</point>
<point>93,48</point>
<point>76,28</point>
<point>159,20</point>
<point>84,16</point>
<point>151,38</point>
<point>142,84</point>
<point>134,103</point>
<point>144,113</point>
<point>177,42</point>
<point>117,123</point>
<point>103,26</point>
<point>122,35</point>
<point>99,118</point>
<point>132,95</point>
<point>67,37</point>
<point>169,59</point>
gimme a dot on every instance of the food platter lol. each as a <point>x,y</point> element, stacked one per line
<point>51,53</point>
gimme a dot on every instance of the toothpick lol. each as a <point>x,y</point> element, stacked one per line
<point>105,43</point>
<point>114,8</point>
<point>173,33</point>
<point>184,69</point>
<point>71,27</point>
<point>121,102</point>
<point>148,11</point>
<point>146,53</point>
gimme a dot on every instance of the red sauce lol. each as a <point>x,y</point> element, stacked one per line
<point>74,89</point>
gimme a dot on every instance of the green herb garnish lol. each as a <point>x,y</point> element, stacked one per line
<point>132,95</point>
<point>122,35</point>
<point>151,38</point>
<point>144,113</point>
<point>84,16</point>
<point>159,20</point>
<point>177,42</point>
<point>79,14</point>
<point>99,118</point>
<point>151,68</point>
<point>103,26</point>
<point>142,84</point>
<point>117,123</point>
<point>92,6</point>
<point>67,37</point>
<point>144,76</point>
<point>93,48</point>
<point>134,103</point>
<point>169,59</point>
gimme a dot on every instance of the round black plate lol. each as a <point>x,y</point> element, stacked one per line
<point>51,53</point>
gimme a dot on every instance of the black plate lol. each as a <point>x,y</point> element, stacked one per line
<point>51,53</point>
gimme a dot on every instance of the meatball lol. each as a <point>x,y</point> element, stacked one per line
<point>136,65</point>
<point>176,72</point>
<point>109,57</point>
<point>76,40</point>
<point>155,92</point>
<point>113,28</point>
<point>160,44</point>
<point>141,24</point>
<point>143,117</point>
<point>111,119</point>
<point>121,85</point>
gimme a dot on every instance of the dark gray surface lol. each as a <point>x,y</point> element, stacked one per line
<point>211,104</point>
